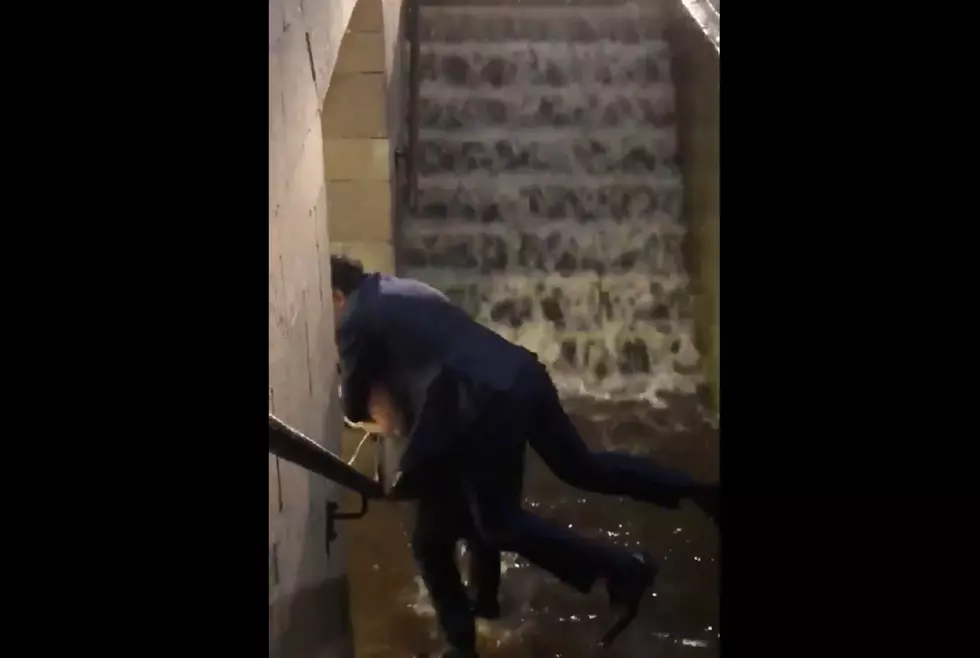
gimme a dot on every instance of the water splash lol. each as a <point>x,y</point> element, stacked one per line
<point>510,628</point>
<point>549,195</point>
<point>542,616</point>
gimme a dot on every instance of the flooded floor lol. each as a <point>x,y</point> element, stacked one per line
<point>542,618</point>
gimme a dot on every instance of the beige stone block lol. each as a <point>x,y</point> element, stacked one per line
<point>361,52</point>
<point>374,256</point>
<point>367,17</point>
<point>359,211</point>
<point>355,159</point>
<point>325,22</point>
<point>392,25</point>
<point>355,106</point>
<point>397,114</point>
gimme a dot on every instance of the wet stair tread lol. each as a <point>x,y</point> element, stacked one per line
<point>599,228</point>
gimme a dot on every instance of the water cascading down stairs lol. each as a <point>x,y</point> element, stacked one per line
<point>549,199</point>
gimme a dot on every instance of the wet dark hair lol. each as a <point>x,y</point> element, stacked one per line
<point>346,274</point>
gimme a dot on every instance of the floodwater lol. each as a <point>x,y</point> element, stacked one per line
<point>542,618</point>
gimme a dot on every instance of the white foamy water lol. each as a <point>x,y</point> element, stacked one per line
<point>549,195</point>
<point>510,628</point>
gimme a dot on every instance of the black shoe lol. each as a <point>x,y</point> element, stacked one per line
<point>489,609</point>
<point>449,653</point>
<point>708,501</point>
<point>627,588</point>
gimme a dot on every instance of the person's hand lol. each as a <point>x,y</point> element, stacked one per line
<point>383,412</point>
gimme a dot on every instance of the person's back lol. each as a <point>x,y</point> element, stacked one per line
<point>411,338</point>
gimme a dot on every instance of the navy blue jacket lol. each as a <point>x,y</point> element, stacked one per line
<point>435,361</point>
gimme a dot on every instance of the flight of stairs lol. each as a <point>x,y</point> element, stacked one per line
<point>549,198</point>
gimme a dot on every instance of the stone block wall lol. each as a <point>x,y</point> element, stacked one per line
<point>329,178</point>
<point>356,153</point>
<point>361,122</point>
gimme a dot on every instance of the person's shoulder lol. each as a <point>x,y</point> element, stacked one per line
<point>392,286</point>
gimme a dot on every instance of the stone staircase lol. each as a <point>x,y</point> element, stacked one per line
<point>549,198</point>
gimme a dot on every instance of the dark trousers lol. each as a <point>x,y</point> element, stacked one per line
<point>442,519</point>
<point>486,470</point>
<point>553,436</point>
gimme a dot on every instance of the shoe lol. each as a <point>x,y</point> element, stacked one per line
<point>449,653</point>
<point>626,589</point>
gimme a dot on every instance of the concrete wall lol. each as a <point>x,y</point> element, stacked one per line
<point>324,181</point>
<point>696,76</point>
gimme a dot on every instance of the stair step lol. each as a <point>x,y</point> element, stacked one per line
<point>553,65</point>
<point>592,108</point>
<point>506,227</point>
<point>545,180</point>
<point>606,247</point>
<point>554,151</point>
<point>562,252</point>
<point>623,23</point>
<point>525,252</point>
<point>586,300</point>
<point>538,198</point>
<point>437,91</point>
<point>549,49</point>
<point>546,133</point>
<point>532,5</point>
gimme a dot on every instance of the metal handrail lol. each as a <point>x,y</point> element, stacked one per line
<point>290,444</point>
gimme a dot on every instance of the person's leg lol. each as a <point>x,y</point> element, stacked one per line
<point>553,436</point>
<point>492,477</point>
<point>574,560</point>
<point>491,474</point>
<point>484,576</point>
<point>434,547</point>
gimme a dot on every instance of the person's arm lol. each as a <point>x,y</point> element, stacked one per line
<point>357,349</point>
<point>436,425</point>
<point>385,414</point>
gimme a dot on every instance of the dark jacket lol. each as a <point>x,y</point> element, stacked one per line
<point>435,361</point>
